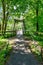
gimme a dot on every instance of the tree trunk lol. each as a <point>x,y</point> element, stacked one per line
<point>6,18</point>
<point>37,11</point>
<point>3,24</point>
<point>37,26</point>
<point>6,22</point>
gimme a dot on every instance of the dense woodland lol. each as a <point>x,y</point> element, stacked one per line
<point>32,11</point>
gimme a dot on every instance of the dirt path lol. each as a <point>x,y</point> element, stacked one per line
<point>21,54</point>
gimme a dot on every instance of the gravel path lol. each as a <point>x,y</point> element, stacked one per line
<point>21,55</point>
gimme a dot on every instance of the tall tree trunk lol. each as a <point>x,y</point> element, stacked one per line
<point>3,24</point>
<point>6,22</point>
<point>37,11</point>
<point>6,18</point>
<point>5,15</point>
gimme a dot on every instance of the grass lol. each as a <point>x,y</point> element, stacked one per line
<point>4,52</point>
<point>30,36</point>
<point>39,39</point>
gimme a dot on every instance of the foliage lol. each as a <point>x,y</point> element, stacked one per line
<point>31,10</point>
<point>3,51</point>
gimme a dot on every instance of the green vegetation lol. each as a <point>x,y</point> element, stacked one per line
<point>31,11</point>
<point>5,49</point>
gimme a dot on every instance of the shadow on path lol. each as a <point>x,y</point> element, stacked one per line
<point>21,55</point>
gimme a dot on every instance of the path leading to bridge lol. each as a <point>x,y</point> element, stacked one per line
<point>21,54</point>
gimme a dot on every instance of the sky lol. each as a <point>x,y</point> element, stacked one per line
<point>0,9</point>
<point>0,13</point>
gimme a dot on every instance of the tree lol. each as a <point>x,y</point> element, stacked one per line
<point>37,11</point>
<point>5,15</point>
<point>3,6</point>
<point>35,5</point>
